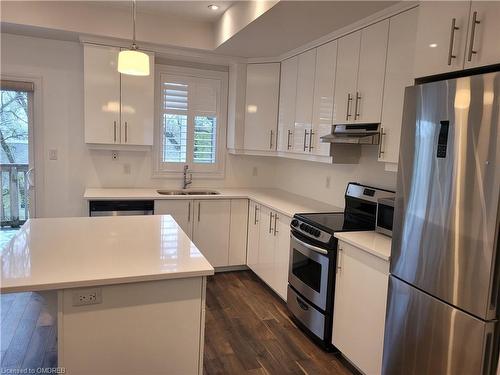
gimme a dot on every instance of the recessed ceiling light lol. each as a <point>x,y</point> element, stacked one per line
<point>213,7</point>
<point>433,45</point>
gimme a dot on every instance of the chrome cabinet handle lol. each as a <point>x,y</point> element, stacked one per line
<point>199,211</point>
<point>472,34</point>
<point>339,267</point>
<point>356,106</point>
<point>255,222</point>
<point>380,150</point>
<point>288,139</point>
<point>452,40</point>
<point>275,226</point>
<point>348,112</point>
<point>270,222</point>
<point>310,140</point>
<point>305,139</point>
<point>126,132</point>
<point>114,131</point>
<point>271,141</point>
<point>189,212</point>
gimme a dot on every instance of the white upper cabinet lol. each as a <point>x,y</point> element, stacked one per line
<point>371,73</point>
<point>346,77</point>
<point>441,37</point>
<point>304,102</point>
<point>102,94</point>
<point>483,45</point>
<point>324,84</point>
<point>137,107</point>
<point>261,109</point>
<point>399,75</point>
<point>288,92</point>
<point>119,109</point>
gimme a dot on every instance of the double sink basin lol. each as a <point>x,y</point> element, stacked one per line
<point>187,192</point>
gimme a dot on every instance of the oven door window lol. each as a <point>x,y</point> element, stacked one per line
<point>384,217</point>
<point>306,270</point>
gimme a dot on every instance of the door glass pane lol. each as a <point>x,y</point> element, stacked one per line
<point>205,139</point>
<point>174,138</point>
<point>306,270</point>
<point>14,156</point>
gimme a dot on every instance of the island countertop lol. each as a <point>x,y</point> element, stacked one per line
<point>60,253</point>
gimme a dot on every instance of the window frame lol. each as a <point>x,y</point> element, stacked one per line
<point>199,170</point>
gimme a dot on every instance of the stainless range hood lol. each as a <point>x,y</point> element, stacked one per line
<point>346,139</point>
<point>364,134</point>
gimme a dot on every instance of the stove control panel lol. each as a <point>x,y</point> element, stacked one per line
<point>310,231</point>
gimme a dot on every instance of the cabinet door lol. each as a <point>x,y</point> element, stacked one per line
<point>399,74</point>
<point>211,230</point>
<point>303,108</point>
<point>358,331</point>
<point>265,267</point>
<point>238,232</point>
<point>440,48</point>
<point>483,47</point>
<point>371,73</point>
<point>345,77</point>
<point>102,94</point>
<point>137,107</point>
<point>288,92</point>
<point>253,236</point>
<point>261,114</point>
<point>324,83</point>
<point>281,254</point>
<point>180,209</point>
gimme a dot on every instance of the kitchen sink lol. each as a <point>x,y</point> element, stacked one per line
<point>187,192</point>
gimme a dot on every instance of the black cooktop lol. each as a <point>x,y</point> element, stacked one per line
<point>332,222</point>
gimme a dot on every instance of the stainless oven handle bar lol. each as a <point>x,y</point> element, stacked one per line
<point>311,247</point>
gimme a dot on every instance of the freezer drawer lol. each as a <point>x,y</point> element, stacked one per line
<point>424,335</point>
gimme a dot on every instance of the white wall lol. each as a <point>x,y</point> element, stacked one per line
<point>309,178</point>
<point>59,65</point>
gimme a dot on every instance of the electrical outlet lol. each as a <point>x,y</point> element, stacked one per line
<point>52,154</point>
<point>126,168</point>
<point>114,155</point>
<point>82,297</point>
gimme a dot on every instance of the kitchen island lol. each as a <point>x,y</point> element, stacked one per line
<point>128,292</point>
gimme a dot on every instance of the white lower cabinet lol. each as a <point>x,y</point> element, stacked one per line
<point>268,246</point>
<point>218,227</point>
<point>359,308</point>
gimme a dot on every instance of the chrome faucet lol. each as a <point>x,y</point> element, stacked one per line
<point>187,181</point>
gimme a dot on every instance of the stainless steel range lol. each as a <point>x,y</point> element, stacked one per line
<point>313,254</point>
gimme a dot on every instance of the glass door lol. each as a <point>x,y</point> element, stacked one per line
<point>16,155</point>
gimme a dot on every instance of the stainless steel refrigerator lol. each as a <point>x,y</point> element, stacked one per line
<point>443,298</point>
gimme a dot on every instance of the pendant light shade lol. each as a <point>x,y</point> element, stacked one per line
<point>132,61</point>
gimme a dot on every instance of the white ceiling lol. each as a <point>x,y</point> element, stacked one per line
<point>184,9</point>
<point>290,24</point>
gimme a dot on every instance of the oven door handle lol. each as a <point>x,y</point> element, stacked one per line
<point>310,247</point>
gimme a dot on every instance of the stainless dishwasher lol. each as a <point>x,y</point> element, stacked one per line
<point>121,207</point>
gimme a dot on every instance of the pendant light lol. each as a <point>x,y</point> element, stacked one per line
<point>132,61</point>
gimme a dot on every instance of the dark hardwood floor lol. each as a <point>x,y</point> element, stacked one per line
<point>248,331</point>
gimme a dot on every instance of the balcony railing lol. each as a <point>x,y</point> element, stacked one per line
<point>14,188</point>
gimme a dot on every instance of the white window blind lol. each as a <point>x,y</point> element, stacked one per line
<point>189,123</point>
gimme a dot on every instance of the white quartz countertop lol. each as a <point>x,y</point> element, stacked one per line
<point>279,200</point>
<point>369,241</point>
<point>50,254</point>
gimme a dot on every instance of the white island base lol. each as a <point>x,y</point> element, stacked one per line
<point>151,327</point>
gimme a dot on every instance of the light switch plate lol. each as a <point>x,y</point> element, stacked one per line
<point>53,154</point>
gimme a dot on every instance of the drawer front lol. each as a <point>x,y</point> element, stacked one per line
<point>306,313</point>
